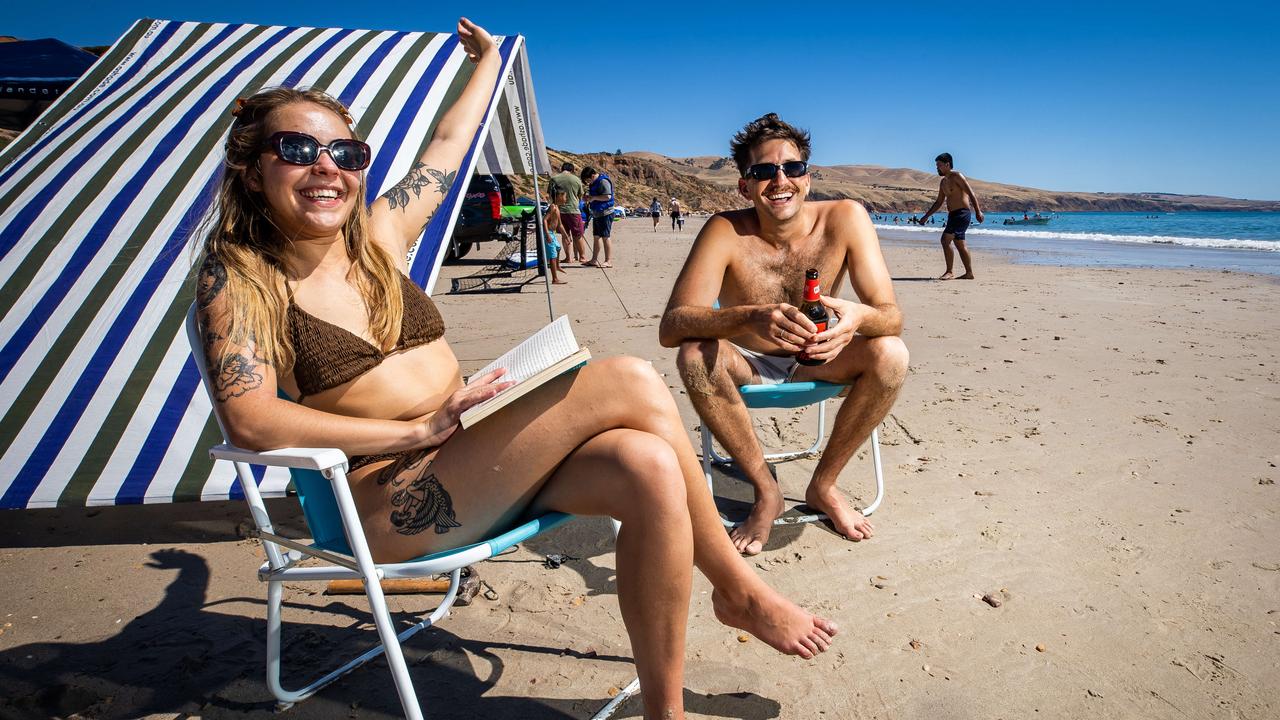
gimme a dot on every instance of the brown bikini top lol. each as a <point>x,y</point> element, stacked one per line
<point>326,356</point>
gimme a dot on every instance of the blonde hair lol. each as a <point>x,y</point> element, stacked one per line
<point>240,235</point>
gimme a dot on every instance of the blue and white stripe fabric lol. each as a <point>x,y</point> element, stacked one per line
<point>100,400</point>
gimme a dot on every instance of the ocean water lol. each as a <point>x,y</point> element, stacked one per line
<point>1243,241</point>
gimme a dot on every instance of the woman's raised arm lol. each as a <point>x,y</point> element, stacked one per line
<point>403,211</point>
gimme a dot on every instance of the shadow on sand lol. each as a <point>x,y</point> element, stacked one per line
<point>188,656</point>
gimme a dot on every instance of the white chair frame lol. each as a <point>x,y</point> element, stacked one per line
<point>711,458</point>
<point>285,554</point>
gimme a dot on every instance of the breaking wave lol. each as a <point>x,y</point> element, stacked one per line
<point>1227,243</point>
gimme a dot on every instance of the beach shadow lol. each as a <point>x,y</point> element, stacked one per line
<point>739,705</point>
<point>187,656</point>
<point>584,540</point>
<point>915,279</point>
<point>581,541</point>
<point>168,523</point>
<point>734,498</point>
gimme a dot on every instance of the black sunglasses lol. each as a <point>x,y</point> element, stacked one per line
<point>768,171</point>
<point>298,148</point>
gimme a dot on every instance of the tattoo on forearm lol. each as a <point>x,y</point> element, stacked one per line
<point>423,504</point>
<point>419,176</point>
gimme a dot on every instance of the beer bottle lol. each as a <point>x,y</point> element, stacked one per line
<point>813,309</point>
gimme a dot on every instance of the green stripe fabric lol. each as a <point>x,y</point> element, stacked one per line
<point>98,207</point>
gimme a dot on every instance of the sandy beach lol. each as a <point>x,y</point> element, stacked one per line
<point>1094,448</point>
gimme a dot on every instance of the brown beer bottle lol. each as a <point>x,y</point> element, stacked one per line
<point>813,309</point>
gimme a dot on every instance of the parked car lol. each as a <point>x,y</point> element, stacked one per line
<point>481,213</point>
<point>527,202</point>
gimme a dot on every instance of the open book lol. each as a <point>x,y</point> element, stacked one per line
<point>544,355</point>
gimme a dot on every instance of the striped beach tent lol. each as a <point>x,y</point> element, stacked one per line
<point>100,400</point>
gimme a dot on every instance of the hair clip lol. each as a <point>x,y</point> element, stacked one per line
<point>239,108</point>
<point>347,116</point>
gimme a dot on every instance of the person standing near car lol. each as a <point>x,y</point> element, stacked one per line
<point>575,244</point>
<point>600,202</point>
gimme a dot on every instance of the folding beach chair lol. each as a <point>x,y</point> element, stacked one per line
<point>320,479</point>
<point>791,395</point>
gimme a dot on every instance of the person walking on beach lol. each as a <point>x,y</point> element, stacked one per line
<point>674,208</point>
<point>600,202</point>
<point>955,191</point>
<point>655,209</point>
<point>754,261</point>
<point>574,229</point>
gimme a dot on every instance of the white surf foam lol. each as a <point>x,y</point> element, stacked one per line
<point>1228,243</point>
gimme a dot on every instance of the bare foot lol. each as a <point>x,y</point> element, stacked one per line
<point>559,282</point>
<point>849,522</point>
<point>967,276</point>
<point>590,263</point>
<point>604,265</point>
<point>948,275</point>
<point>785,626</point>
<point>749,537</point>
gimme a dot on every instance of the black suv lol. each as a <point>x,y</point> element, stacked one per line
<point>481,213</point>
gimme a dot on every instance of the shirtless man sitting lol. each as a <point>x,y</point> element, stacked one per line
<point>754,262</point>
<point>959,197</point>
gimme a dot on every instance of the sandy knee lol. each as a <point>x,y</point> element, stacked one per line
<point>890,359</point>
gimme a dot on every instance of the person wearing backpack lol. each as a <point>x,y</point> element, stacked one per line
<point>600,202</point>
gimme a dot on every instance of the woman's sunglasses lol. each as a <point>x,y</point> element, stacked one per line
<point>298,148</point>
<point>768,171</point>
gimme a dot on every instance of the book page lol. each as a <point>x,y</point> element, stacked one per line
<point>541,350</point>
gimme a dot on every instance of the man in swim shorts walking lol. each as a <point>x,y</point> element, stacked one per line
<point>961,202</point>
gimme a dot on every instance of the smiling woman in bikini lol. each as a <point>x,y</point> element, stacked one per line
<point>302,288</point>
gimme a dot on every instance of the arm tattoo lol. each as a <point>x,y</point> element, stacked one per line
<point>213,277</point>
<point>419,176</point>
<point>236,374</point>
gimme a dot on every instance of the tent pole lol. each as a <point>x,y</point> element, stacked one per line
<point>537,208</point>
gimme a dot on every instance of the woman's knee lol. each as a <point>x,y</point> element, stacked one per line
<point>652,482</point>
<point>889,359</point>
<point>636,385</point>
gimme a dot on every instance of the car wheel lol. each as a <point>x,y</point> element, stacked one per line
<point>463,246</point>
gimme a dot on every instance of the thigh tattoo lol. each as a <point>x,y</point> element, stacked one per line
<point>420,501</point>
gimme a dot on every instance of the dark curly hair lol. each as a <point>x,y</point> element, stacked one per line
<point>766,127</point>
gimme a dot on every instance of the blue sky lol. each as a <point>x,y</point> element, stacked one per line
<point>1170,97</point>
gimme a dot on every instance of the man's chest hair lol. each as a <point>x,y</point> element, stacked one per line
<point>766,276</point>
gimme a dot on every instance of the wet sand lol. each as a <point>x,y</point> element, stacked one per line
<point>1095,448</point>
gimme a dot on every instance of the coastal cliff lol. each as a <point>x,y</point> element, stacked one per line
<point>710,183</point>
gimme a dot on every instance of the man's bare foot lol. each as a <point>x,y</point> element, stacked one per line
<point>559,282</point>
<point>749,537</point>
<point>967,276</point>
<point>948,275</point>
<point>590,263</point>
<point>849,522</point>
<point>785,626</point>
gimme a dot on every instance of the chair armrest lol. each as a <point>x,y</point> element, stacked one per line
<point>305,458</point>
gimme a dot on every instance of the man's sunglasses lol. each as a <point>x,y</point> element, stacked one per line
<point>298,148</point>
<point>768,171</point>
